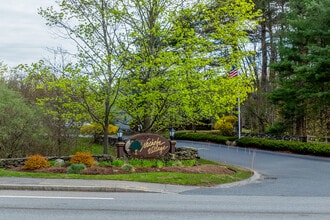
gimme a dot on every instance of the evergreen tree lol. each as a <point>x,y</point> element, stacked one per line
<point>303,92</point>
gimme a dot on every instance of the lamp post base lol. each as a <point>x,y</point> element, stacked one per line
<point>120,149</point>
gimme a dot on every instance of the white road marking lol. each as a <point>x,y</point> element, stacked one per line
<point>56,197</point>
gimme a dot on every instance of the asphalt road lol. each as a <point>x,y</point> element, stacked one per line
<point>281,174</point>
<point>72,205</point>
<point>290,187</point>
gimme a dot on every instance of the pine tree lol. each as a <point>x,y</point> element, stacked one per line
<point>303,92</point>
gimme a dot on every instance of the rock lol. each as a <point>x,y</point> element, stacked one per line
<point>59,162</point>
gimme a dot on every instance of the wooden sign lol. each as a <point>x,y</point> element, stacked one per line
<point>147,146</point>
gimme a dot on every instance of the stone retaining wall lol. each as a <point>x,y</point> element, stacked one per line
<point>186,153</point>
<point>180,154</point>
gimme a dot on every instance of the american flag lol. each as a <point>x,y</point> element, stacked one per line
<point>233,72</point>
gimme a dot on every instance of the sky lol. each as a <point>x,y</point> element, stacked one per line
<point>24,35</point>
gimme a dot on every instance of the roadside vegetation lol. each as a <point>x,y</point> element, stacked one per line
<point>154,177</point>
<point>317,149</point>
<point>173,71</point>
<point>75,171</point>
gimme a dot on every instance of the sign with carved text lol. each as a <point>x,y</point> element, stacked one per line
<point>147,146</point>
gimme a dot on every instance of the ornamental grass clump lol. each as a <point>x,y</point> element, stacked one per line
<point>36,162</point>
<point>83,158</point>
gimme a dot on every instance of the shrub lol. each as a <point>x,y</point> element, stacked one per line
<point>76,168</point>
<point>105,163</point>
<point>189,163</point>
<point>97,129</point>
<point>128,167</point>
<point>319,149</point>
<point>135,162</point>
<point>196,136</point>
<point>118,163</point>
<point>276,129</point>
<point>148,163</point>
<point>82,158</point>
<point>225,125</point>
<point>175,163</point>
<point>159,164</point>
<point>35,162</point>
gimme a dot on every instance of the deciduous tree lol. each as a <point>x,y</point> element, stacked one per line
<point>177,69</point>
<point>93,26</point>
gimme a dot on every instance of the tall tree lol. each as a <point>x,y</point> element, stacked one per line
<point>303,92</point>
<point>177,69</point>
<point>258,113</point>
<point>55,93</point>
<point>20,127</point>
<point>93,26</point>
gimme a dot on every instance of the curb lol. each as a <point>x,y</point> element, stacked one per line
<point>134,187</point>
<point>68,188</point>
<point>256,176</point>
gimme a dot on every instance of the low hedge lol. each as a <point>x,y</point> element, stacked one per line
<point>318,149</point>
<point>203,136</point>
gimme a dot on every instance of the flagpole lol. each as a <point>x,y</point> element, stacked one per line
<point>233,73</point>
<point>239,118</point>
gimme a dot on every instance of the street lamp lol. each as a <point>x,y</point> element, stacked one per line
<point>120,134</point>
<point>172,132</point>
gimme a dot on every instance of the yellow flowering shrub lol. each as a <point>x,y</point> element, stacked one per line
<point>97,129</point>
<point>225,125</point>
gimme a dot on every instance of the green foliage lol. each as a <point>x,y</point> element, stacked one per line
<point>93,83</point>
<point>118,163</point>
<point>105,163</point>
<point>83,158</point>
<point>35,162</point>
<point>146,163</point>
<point>21,130</point>
<point>319,149</point>
<point>160,164</point>
<point>201,136</point>
<point>276,128</point>
<point>302,92</point>
<point>135,162</point>
<point>84,144</point>
<point>189,163</point>
<point>76,168</point>
<point>173,163</point>
<point>164,84</point>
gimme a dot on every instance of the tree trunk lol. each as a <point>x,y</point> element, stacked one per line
<point>263,85</point>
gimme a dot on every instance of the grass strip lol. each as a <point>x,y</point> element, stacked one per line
<point>151,177</point>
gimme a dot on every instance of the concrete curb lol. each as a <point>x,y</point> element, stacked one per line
<point>256,176</point>
<point>105,186</point>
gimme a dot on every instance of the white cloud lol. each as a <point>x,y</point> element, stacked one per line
<point>24,35</point>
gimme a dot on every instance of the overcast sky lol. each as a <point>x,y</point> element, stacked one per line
<point>24,35</point>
